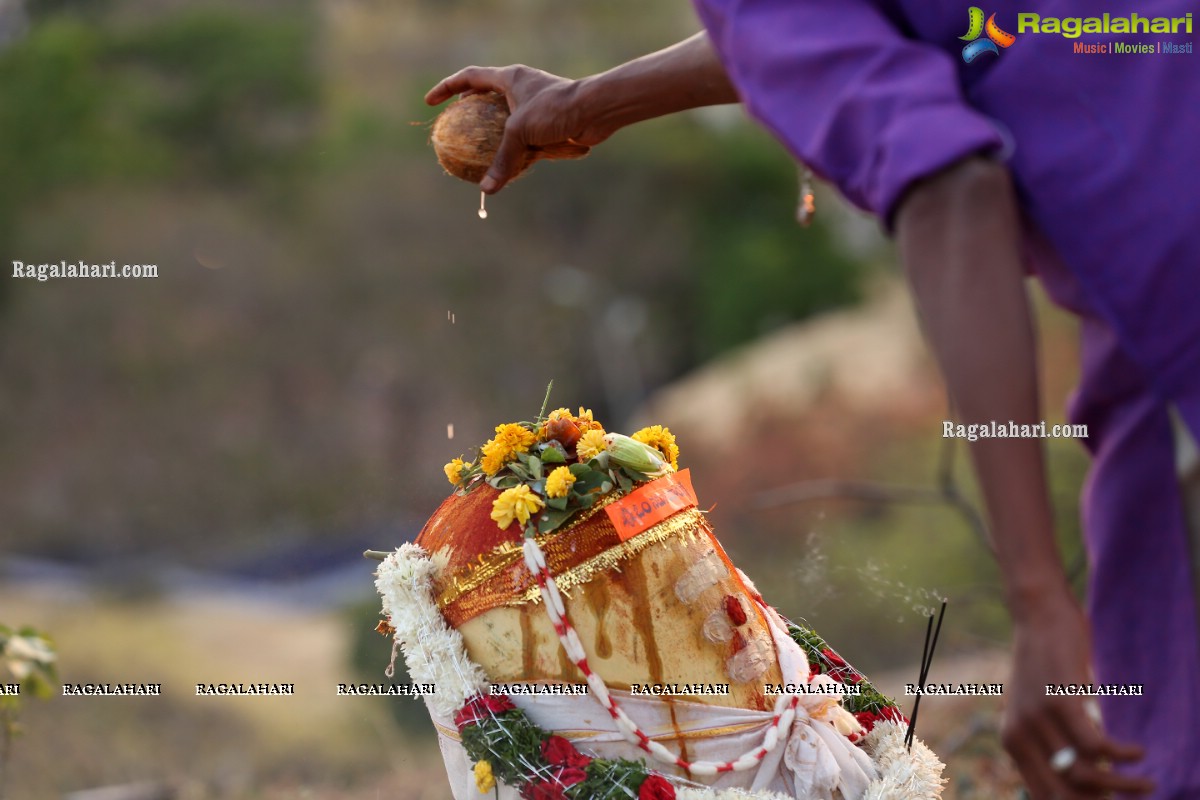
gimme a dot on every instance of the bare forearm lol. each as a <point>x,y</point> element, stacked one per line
<point>959,237</point>
<point>686,75</point>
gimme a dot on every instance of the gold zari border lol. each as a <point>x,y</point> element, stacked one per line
<point>573,556</point>
<point>684,523</point>
<point>505,554</point>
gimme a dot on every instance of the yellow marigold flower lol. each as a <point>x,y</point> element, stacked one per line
<point>591,444</point>
<point>517,503</point>
<point>586,422</point>
<point>661,439</point>
<point>484,779</point>
<point>494,458</point>
<point>559,413</point>
<point>516,437</point>
<point>455,469</point>
<point>510,439</point>
<point>558,482</point>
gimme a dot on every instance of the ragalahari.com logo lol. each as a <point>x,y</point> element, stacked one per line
<point>995,36</point>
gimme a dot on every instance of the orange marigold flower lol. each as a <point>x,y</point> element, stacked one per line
<point>586,422</point>
<point>510,439</point>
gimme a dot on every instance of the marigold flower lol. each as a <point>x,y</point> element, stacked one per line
<point>660,439</point>
<point>484,779</point>
<point>558,482</point>
<point>517,503</point>
<point>591,444</point>
<point>455,469</point>
<point>510,439</point>
<point>516,436</point>
<point>586,422</point>
<point>494,459</point>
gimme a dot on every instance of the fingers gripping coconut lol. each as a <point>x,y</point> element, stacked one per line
<point>467,136</point>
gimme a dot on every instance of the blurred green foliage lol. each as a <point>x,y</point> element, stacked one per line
<point>370,653</point>
<point>203,95</point>
<point>281,373</point>
<point>756,268</point>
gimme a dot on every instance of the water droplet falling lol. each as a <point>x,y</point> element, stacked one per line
<point>482,210</point>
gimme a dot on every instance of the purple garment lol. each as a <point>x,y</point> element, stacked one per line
<point>1105,153</point>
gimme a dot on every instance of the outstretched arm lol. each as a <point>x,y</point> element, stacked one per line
<point>958,234</point>
<point>547,109</point>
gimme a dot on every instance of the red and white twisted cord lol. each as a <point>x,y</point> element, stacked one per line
<point>784,712</point>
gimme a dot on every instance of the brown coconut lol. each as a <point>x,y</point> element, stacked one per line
<point>467,135</point>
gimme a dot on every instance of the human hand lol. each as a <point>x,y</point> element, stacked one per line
<point>1050,649</point>
<point>545,111</point>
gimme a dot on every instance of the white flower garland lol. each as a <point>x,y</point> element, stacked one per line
<point>435,653</point>
<point>903,774</point>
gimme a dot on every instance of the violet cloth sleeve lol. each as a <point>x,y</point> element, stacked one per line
<point>847,93</point>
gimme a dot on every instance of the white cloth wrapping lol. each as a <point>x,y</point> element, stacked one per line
<point>812,760</point>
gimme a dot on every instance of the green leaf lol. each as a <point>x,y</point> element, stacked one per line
<point>557,503</point>
<point>535,467</point>
<point>623,481</point>
<point>637,477</point>
<point>590,482</point>
<point>552,519</point>
<point>504,481</point>
<point>553,453</point>
<point>579,470</point>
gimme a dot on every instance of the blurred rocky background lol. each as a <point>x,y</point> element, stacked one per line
<point>191,466</point>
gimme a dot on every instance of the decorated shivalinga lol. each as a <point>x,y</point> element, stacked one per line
<point>588,637</point>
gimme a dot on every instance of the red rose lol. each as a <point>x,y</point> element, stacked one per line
<point>656,787</point>
<point>481,707</point>
<point>833,658</point>
<point>554,788</point>
<point>543,790</point>
<point>867,719</point>
<point>561,753</point>
<point>813,671</point>
<point>569,776</point>
<point>894,714</point>
<point>845,675</point>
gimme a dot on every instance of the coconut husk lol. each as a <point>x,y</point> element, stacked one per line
<point>467,134</point>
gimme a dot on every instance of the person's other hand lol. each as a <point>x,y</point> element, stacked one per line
<point>545,111</point>
<point>1050,649</point>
